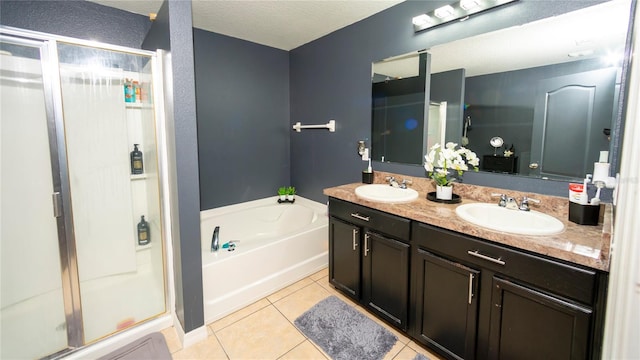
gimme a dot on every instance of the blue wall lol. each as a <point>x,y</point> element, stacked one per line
<point>173,31</point>
<point>243,119</point>
<point>331,79</point>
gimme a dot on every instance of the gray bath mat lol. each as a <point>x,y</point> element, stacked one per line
<point>151,347</point>
<point>343,332</point>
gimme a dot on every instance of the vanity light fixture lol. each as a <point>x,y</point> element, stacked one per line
<point>444,12</point>
<point>457,11</point>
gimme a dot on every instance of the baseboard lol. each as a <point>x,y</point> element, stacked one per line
<point>192,336</point>
<point>116,341</point>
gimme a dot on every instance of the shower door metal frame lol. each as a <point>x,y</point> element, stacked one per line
<point>61,196</point>
<point>61,201</point>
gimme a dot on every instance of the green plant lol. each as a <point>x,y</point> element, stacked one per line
<point>282,191</point>
<point>291,190</point>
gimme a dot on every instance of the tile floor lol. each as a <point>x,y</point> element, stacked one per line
<point>265,330</point>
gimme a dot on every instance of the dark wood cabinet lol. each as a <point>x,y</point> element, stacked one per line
<point>529,324</point>
<point>385,277</point>
<point>461,296</point>
<point>529,306</point>
<point>344,257</point>
<point>446,304</point>
<point>369,259</point>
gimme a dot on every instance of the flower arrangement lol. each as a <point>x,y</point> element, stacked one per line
<point>440,160</point>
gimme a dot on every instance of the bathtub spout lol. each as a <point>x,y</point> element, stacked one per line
<point>215,240</point>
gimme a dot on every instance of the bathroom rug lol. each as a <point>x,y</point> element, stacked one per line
<point>343,332</point>
<point>151,347</point>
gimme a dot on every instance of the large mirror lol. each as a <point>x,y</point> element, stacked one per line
<point>548,90</point>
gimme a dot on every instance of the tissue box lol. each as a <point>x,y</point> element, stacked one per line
<point>584,214</point>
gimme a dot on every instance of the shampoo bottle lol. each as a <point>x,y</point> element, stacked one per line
<point>144,236</point>
<point>129,92</point>
<point>136,161</point>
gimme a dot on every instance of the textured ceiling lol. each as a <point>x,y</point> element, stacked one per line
<point>282,24</point>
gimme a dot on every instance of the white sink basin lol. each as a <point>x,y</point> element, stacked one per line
<point>386,194</point>
<point>498,218</point>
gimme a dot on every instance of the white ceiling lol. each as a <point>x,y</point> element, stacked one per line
<point>282,24</point>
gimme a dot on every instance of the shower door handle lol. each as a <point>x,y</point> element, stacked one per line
<point>57,204</point>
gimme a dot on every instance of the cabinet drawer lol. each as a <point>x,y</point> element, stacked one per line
<point>560,278</point>
<point>391,225</point>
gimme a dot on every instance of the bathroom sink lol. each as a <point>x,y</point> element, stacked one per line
<point>498,218</point>
<point>386,194</point>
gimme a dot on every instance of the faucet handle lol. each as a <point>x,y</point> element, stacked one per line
<point>392,181</point>
<point>503,199</point>
<point>405,182</point>
<point>524,205</point>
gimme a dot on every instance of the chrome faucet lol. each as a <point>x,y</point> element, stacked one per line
<point>512,204</point>
<point>215,239</point>
<point>392,181</point>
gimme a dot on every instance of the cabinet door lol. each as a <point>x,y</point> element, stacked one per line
<point>385,277</point>
<point>344,257</point>
<point>446,300</point>
<point>528,324</point>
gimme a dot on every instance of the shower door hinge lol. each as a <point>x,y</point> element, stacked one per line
<point>57,204</point>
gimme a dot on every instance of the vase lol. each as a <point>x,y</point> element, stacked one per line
<point>444,192</point>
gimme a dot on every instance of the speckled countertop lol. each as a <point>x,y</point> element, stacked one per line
<point>581,244</point>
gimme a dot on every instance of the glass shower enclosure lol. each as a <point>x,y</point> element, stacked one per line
<point>82,245</point>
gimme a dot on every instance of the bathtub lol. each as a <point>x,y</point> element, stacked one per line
<point>275,246</point>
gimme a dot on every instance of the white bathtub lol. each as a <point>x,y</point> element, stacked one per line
<point>276,245</point>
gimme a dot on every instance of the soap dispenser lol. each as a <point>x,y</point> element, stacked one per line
<point>137,166</point>
<point>144,235</point>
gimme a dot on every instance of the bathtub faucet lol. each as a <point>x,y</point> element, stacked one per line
<point>215,239</point>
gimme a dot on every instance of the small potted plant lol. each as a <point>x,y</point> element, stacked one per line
<point>441,159</point>
<point>282,193</point>
<point>291,193</point>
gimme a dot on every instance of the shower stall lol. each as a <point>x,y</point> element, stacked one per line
<point>78,260</point>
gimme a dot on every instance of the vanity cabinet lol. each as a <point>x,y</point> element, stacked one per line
<point>476,299</point>
<point>369,259</point>
<point>445,301</point>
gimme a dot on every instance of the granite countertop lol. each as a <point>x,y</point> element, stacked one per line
<point>580,244</point>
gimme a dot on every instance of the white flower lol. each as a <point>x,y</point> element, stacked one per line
<point>440,159</point>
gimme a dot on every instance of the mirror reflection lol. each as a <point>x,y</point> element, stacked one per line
<point>548,89</point>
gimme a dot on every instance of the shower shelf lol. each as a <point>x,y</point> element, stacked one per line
<point>138,177</point>
<point>137,105</point>
<point>143,247</point>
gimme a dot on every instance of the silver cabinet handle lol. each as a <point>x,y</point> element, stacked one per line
<point>470,287</point>
<point>361,217</point>
<point>355,239</point>
<point>366,244</point>
<point>485,257</point>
